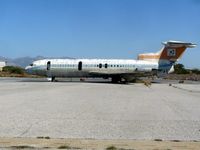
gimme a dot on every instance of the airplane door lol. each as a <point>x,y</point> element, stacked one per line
<point>49,69</point>
<point>48,65</point>
<point>80,64</point>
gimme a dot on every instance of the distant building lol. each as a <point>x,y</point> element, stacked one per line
<point>2,64</point>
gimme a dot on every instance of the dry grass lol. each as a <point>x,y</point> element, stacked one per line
<point>25,75</point>
<point>27,143</point>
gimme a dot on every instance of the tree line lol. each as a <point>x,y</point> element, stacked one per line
<point>180,69</point>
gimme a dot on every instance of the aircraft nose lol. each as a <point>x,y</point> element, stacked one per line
<point>28,69</point>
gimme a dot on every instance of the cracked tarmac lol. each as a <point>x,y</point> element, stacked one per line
<point>30,108</point>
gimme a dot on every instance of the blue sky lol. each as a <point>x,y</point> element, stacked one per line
<point>97,28</point>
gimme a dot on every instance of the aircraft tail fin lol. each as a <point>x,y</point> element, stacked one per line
<point>171,51</point>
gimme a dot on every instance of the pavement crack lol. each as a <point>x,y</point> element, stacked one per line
<point>183,89</point>
<point>27,129</point>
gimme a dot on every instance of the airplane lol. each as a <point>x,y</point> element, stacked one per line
<point>119,70</point>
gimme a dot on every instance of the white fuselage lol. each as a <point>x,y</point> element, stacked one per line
<point>89,67</point>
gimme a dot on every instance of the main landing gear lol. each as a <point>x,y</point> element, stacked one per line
<point>118,79</point>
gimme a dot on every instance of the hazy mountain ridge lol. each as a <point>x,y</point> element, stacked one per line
<point>24,61</point>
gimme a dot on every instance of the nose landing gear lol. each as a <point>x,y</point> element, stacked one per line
<point>51,79</point>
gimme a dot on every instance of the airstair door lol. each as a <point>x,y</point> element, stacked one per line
<point>80,65</point>
<point>49,69</point>
<point>48,66</point>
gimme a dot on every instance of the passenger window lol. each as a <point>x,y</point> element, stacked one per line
<point>100,65</point>
<point>106,65</point>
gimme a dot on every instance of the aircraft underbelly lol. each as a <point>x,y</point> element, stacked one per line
<point>87,72</point>
<point>69,73</point>
<point>74,72</point>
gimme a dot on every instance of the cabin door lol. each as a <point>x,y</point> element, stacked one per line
<point>80,65</point>
<point>48,69</point>
<point>48,66</point>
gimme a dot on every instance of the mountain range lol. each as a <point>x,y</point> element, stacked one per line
<point>23,61</point>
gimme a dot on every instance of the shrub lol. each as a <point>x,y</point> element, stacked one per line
<point>13,69</point>
<point>63,147</point>
<point>195,71</point>
<point>180,69</point>
<point>111,148</point>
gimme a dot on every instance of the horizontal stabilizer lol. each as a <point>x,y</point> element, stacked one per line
<point>178,44</point>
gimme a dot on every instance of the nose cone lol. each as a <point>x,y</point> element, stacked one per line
<point>27,67</point>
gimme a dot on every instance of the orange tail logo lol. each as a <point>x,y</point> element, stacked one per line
<point>171,51</point>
